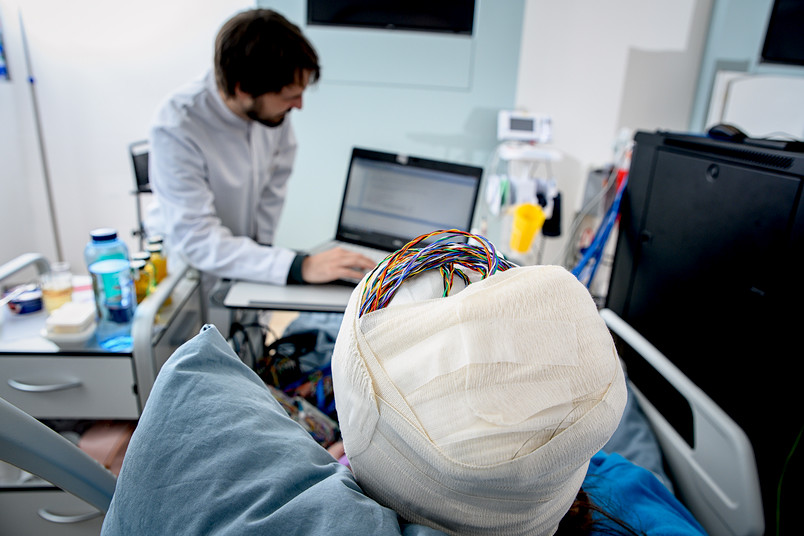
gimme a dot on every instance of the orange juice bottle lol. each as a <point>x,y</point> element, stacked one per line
<point>142,280</point>
<point>149,269</point>
<point>159,260</point>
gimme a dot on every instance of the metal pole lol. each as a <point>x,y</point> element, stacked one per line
<point>42,152</point>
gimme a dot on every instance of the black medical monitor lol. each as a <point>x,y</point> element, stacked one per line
<point>707,267</point>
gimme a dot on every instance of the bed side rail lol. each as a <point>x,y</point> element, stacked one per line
<point>717,477</point>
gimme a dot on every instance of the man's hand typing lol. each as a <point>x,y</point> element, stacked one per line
<point>333,264</point>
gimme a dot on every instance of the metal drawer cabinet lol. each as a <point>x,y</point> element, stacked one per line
<point>46,512</point>
<point>70,387</point>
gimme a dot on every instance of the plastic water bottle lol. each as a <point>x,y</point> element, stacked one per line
<point>104,244</point>
<point>117,301</point>
<point>115,298</point>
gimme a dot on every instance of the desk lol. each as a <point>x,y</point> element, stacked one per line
<point>307,298</point>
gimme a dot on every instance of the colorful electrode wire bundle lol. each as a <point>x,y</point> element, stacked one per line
<point>443,254</point>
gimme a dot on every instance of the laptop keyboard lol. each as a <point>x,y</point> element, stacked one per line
<point>374,254</point>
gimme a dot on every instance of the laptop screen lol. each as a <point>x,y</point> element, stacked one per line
<point>391,199</point>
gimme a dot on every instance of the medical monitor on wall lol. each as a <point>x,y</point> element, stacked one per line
<point>784,36</point>
<point>452,16</point>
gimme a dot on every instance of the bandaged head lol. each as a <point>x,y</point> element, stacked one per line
<point>478,413</point>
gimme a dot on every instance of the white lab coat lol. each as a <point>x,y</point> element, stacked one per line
<point>220,183</point>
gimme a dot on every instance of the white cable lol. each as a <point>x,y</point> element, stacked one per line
<point>619,160</point>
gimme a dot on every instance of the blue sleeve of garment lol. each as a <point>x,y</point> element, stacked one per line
<point>635,496</point>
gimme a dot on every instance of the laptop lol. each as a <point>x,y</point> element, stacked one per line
<point>390,199</point>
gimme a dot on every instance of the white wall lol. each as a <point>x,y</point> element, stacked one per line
<point>389,95</point>
<point>103,67</point>
<point>100,69</point>
<point>598,67</point>
<point>23,218</point>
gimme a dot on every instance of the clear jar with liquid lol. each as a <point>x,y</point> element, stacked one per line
<point>57,286</point>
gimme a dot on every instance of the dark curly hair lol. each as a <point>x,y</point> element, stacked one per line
<point>580,520</point>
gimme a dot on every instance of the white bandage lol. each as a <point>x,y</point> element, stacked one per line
<point>478,413</point>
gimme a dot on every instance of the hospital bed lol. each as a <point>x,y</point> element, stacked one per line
<point>716,477</point>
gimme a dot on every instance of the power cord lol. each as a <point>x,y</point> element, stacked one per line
<point>781,478</point>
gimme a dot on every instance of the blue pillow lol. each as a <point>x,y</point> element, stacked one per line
<point>214,453</point>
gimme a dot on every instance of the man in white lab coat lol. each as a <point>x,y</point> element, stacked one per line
<point>221,152</point>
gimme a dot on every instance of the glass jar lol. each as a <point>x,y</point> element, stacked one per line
<point>57,286</point>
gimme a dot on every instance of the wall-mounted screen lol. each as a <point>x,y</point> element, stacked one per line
<point>784,38</point>
<point>452,16</point>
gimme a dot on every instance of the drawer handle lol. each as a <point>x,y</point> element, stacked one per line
<point>32,388</point>
<point>65,519</point>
